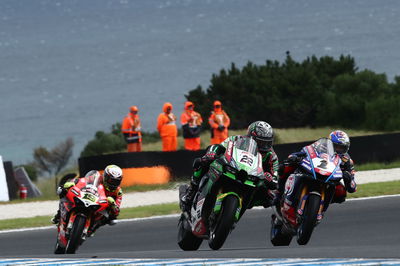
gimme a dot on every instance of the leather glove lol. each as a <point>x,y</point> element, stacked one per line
<point>221,127</point>
<point>269,181</point>
<point>208,157</point>
<point>268,177</point>
<point>111,200</point>
<point>349,182</point>
<point>346,176</point>
<point>67,185</point>
<point>114,207</point>
<point>294,159</point>
<point>61,191</point>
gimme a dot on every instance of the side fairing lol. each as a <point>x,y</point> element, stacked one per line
<point>248,162</point>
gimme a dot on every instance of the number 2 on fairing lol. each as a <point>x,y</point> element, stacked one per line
<point>246,159</point>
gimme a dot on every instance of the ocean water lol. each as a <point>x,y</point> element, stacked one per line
<point>70,68</point>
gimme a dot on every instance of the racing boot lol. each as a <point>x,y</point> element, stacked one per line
<point>56,217</point>
<point>112,220</point>
<point>187,199</point>
<point>279,192</point>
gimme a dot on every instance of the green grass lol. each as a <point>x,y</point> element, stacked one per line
<point>375,166</point>
<point>288,135</point>
<point>25,222</point>
<point>147,211</point>
<point>48,188</point>
<point>291,135</point>
<point>376,189</point>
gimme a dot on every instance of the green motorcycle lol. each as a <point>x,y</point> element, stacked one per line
<point>225,192</point>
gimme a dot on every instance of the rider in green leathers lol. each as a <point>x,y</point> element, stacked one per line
<point>263,134</point>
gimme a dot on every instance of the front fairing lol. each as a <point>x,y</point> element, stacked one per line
<point>87,194</point>
<point>241,157</point>
<point>321,162</point>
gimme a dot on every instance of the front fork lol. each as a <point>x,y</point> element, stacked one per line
<point>71,221</point>
<point>303,199</point>
<point>70,224</point>
<point>220,199</point>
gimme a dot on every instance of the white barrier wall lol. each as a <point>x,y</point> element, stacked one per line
<point>3,183</point>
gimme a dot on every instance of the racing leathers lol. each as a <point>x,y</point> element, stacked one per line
<point>201,165</point>
<point>114,197</point>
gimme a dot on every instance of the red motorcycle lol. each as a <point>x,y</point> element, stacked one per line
<point>83,210</point>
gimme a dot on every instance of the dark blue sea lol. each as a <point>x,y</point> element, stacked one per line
<point>70,68</point>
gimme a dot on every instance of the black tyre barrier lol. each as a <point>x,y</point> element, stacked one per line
<point>363,149</point>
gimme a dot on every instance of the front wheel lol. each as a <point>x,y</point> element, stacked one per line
<point>186,239</point>
<point>58,249</point>
<point>75,236</point>
<point>224,223</point>
<point>309,219</point>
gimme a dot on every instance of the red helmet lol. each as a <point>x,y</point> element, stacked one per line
<point>112,177</point>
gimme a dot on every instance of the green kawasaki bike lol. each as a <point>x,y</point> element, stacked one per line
<point>225,192</point>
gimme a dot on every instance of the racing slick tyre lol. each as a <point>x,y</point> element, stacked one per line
<point>58,249</point>
<point>224,222</point>
<point>75,236</point>
<point>276,236</point>
<point>309,219</point>
<point>186,240</point>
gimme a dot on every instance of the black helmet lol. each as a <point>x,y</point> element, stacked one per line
<point>263,134</point>
<point>112,177</point>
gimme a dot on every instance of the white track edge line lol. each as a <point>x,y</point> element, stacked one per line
<point>168,216</point>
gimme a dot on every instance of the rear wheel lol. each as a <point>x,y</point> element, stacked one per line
<point>186,239</point>
<point>276,236</point>
<point>309,219</point>
<point>75,237</point>
<point>224,223</point>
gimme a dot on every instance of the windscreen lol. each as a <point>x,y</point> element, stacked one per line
<point>324,145</point>
<point>247,144</point>
<point>93,178</point>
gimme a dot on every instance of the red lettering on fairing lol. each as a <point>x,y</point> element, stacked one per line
<point>311,151</point>
<point>228,153</point>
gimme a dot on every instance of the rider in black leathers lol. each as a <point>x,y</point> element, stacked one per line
<point>263,134</point>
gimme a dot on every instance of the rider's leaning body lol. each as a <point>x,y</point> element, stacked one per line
<point>112,177</point>
<point>341,143</point>
<point>262,133</point>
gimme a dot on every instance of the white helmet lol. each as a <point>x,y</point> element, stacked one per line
<point>112,177</point>
<point>263,134</point>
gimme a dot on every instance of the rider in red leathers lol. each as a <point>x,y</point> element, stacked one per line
<point>112,178</point>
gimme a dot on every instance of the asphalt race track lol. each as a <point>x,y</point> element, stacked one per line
<point>354,229</point>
